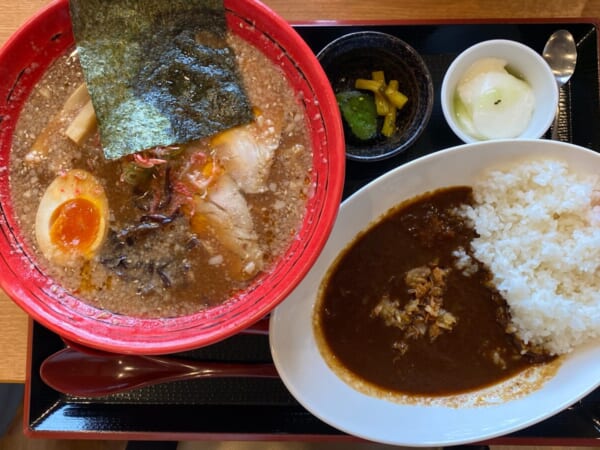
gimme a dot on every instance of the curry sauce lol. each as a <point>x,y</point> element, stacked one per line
<point>407,309</point>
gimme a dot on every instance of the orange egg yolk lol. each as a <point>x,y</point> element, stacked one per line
<point>74,225</point>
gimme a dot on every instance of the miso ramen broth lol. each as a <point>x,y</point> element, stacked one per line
<point>175,214</point>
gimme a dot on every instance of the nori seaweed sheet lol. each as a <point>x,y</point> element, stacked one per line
<point>159,72</point>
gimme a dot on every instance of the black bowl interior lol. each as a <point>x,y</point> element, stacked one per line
<point>357,55</point>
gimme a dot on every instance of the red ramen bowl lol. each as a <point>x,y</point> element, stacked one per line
<point>23,61</point>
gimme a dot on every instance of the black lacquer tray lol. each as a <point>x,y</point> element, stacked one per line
<point>246,408</point>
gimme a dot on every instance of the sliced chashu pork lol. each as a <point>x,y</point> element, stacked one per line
<point>223,222</point>
<point>247,152</point>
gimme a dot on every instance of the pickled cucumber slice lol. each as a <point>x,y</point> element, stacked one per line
<point>359,112</point>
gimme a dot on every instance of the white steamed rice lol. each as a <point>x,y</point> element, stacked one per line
<point>539,230</point>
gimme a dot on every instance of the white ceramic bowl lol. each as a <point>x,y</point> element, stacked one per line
<point>524,61</point>
<point>455,419</point>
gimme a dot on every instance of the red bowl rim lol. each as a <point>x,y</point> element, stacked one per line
<point>27,286</point>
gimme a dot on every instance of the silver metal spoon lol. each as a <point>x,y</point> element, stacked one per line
<point>560,52</point>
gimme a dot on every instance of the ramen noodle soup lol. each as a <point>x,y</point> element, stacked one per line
<point>171,230</point>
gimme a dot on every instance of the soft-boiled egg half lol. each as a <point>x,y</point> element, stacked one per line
<point>72,218</point>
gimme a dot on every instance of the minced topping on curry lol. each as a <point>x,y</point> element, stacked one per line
<point>424,314</point>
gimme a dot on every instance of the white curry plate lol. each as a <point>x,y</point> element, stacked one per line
<point>325,395</point>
